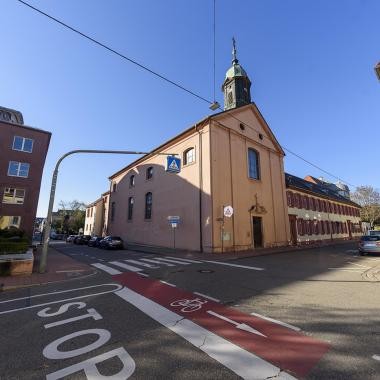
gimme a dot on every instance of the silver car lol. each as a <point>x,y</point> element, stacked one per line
<point>369,244</point>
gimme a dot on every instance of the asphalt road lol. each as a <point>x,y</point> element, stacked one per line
<point>324,306</point>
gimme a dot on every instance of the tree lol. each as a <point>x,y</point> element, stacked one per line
<point>72,216</point>
<point>369,199</point>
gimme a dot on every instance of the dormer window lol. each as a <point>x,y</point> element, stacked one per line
<point>149,172</point>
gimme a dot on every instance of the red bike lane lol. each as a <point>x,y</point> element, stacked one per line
<point>287,349</point>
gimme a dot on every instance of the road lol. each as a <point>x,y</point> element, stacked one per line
<point>310,314</point>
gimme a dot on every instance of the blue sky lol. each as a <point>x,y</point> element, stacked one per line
<point>310,63</point>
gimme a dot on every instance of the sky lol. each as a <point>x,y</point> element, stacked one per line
<point>310,64</point>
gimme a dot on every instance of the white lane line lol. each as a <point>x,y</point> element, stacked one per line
<point>158,262</point>
<point>242,362</point>
<point>206,296</point>
<point>64,300</point>
<point>60,292</point>
<point>182,259</point>
<point>172,261</point>
<point>233,265</point>
<point>142,264</point>
<point>101,260</point>
<point>277,321</point>
<point>356,270</point>
<point>376,357</point>
<point>361,266</point>
<point>168,283</point>
<point>143,274</point>
<point>106,268</point>
<point>125,266</point>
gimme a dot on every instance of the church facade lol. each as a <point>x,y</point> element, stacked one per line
<point>231,158</point>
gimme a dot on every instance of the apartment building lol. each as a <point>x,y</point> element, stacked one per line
<point>23,152</point>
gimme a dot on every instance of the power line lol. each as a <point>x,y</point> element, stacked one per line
<point>169,80</point>
<point>115,52</point>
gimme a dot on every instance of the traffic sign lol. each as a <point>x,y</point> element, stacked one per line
<point>228,211</point>
<point>173,164</point>
<point>173,219</point>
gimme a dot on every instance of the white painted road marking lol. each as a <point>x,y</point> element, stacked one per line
<point>376,357</point>
<point>142,264</point>
<point>233,265</point>
<point>60,301</point>
<point>105,268</point>
<point>172,261</point>
<point>241,326</point>
<point>238,360</point>
<point>206,296</point>
<point>276,321</point>
<point>168,283</point>
<point>125,266</point>
<point>157,262</point>
<point>186,260</point>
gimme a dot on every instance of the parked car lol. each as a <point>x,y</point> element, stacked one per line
<point>373,232</point>
<point>94,241</point>
<point>70,238</point>
<point>111,242</point>
<point>82,239</point>
<point>369,244</point>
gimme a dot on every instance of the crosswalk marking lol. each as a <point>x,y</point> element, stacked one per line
<point>125,266</point>
<point>233,265</point>
<point>106,268</point>
<point>173,261</point>
<point>142,264</point>
<point>187,260</point>
<point>158,262</point>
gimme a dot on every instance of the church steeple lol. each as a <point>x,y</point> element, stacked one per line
<point>236,86</point>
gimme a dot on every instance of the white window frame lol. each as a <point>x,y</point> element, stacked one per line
<point>24,139</point>
<point>13,197</point>
<point>18,169</point>
<point>186,156</point>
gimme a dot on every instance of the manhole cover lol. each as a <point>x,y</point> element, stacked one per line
<point>206,271</point>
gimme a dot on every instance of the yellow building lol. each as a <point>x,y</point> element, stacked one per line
<point>228,159</point>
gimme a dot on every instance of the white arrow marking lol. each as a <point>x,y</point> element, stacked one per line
<point>241,326</point>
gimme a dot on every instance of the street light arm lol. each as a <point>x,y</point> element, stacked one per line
<point>43,259</point>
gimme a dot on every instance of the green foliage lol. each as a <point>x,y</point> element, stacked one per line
<point>11,232</point>
<point>71,217</point>
<point>7,246</point>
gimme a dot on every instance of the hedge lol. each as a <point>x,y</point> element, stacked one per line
<point>7,247</point>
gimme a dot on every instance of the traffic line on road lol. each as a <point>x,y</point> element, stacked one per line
<point>235,358</point>
<point>282,347</point>
<point>206,296</point>
<point>186,260</point>
<point>168,283</point>
<point>157,262</point>
<point>125,266</point>
<point>106,268</point>
<point>142,264</point>
<point>176,261</point>
<point>376,357</point>
<point>277,321</point>
<point>233,265</point>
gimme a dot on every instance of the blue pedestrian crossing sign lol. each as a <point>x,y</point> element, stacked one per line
<point>173,164</point>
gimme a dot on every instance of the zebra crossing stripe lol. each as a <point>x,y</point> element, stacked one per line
<point>158,262</point>
<point>105,268</point>
<point>188,260</point>
<point>125,266</point>
<point>172,261</point>
<point>142,264</point>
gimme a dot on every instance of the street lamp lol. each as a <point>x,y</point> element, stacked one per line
<point>45,246</point>
<point>377,70</point>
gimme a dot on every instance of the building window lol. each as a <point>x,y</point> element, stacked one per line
<point>14,196</point>
<point>114,187</point>
<point>189,156</point>
<point>130,208</point>
<point>132,181</point>
<point>112,211</point>
<point>22,144</point>
<point>149,172</point>
<point>148,205</point>
<point>253,164</point>
<point>10,221</point>
<point>18,169</point>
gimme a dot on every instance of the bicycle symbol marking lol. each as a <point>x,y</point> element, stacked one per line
<point>189,306</point>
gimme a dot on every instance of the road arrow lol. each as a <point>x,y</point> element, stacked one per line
<point>241,326</point>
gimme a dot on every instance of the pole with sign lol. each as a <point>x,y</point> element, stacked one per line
<point>227,212</point>
<point>174,221</point>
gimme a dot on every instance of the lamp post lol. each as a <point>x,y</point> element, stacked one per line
<point>377,70</point>
<point>45,246</point>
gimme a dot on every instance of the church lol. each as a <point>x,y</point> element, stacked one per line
<point>229,195</point>
<point>230,158</point>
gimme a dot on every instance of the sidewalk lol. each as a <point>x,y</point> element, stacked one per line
<point>228,256</point>
<point>59,268</point>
